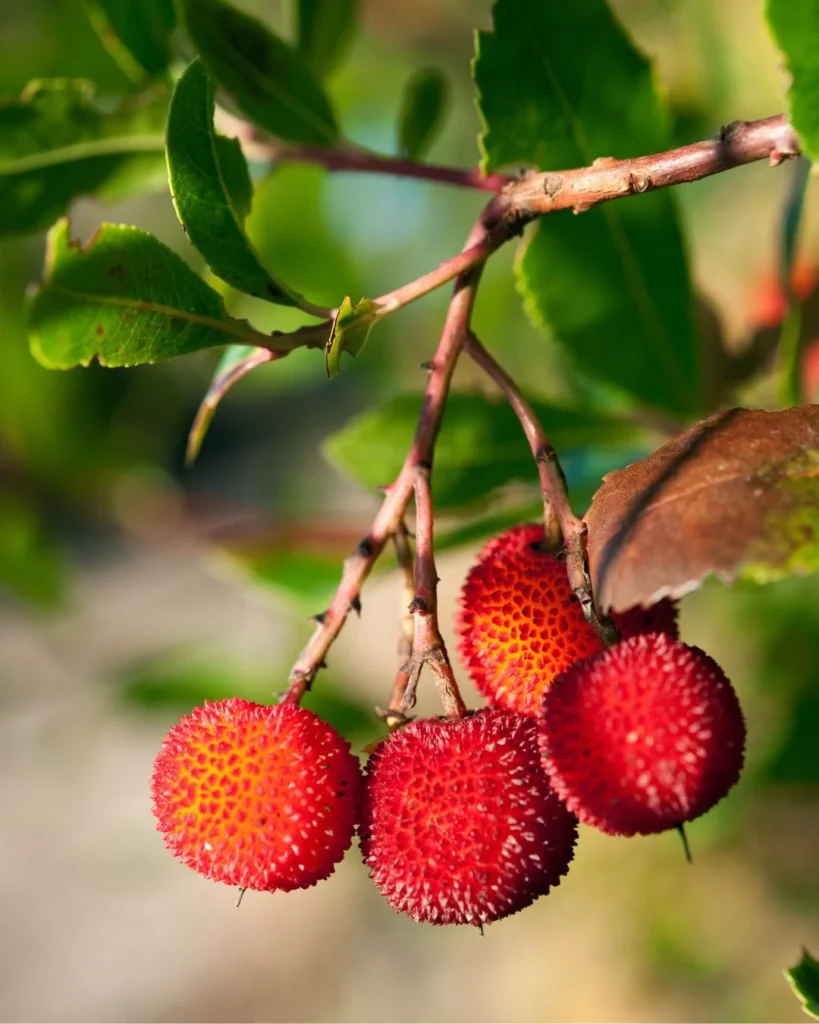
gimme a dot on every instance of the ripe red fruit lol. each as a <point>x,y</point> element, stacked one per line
<point>519,625</point>
<point>642,737</point>
<point>255,796</point>
<point>459,824</point>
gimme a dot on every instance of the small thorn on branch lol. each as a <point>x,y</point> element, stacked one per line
<point>320,618</point>
<point>355,605</point>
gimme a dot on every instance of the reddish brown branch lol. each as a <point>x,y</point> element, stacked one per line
<point>558,516</point>
<point>357,568</point>
<point>428,646</point>
<point>361,161</point>
<point>741,142</point>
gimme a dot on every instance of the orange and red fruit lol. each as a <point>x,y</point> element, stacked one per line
<point>643,737</point>
<point>519,625</point>
<point>255,796</point>
<point>459,824</point>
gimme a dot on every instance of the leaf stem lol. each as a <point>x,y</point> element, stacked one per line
<point>559,518</point>
<point>359,565</point>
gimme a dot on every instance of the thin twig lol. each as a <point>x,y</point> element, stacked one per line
<point>558,516</point>
<point>428,646</point>
<point>403,554</point>
<point>362,161</point>
<point>357,568</point>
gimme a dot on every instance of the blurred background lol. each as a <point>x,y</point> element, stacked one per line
<point>127,595</point>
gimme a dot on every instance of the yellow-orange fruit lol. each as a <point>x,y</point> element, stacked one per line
<point>255,796</point>
<point>519,625</point>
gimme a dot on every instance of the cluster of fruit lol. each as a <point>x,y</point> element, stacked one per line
<point>467,821</point>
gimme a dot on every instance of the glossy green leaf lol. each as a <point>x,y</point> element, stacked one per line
<point>611,285</point>
<point>210,186</point>
<point>480,449</point>
<point>137,34</point>
<point>804,979</point>
<point>324,29</point>
<point>236,362</point>
<point>423,108</point>
<point>125,298</point>
<point>57,143</point>
<point>350,331</point>
<point>270,81</point>
<point>794,25</point>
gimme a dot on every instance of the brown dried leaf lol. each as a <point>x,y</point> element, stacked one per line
<point>736,495</point>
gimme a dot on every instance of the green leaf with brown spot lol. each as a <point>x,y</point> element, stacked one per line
<point>124,298</point>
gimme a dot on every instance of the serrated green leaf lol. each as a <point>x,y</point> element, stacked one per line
<point>209,184</point>
<point>270,81</point>
<point>125,298</point>
<point>480,449</point>
<point>323,31</point>
<point>794,25</point>
<point>423,108</point>
<point>236,362</point>
<point>56,143</point>
<point>350,331</point>
<point>804,979</point>
<point>137,34</point>
<point>612,285</point>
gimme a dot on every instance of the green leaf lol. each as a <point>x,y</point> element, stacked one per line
<point>480,449</point>
<point>804,979</point>
<point>210,185</point>
<point>136,33</point>
<point>324,30</point>
<point>794,25</point>
<point>350,331</point>
<point>423,107</point>
<point>236,362</point>
<point>56,143</point>
<point>30,565</point>
<point>125,298</point>
<point>610,285</point>
<point>270,81</point>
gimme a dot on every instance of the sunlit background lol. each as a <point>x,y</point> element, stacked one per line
<point>119,609</point>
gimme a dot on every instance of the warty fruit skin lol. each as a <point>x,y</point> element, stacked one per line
<point>519,625</point>
<point>459,824</point>
<point>255,796</point>
<point>643,737</point>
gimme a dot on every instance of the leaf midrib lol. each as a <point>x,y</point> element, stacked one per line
<point>229,327</point>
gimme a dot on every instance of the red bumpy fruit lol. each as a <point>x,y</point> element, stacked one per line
<point>459,824</point>
<point>519,624</point>
<point>643,737</point>
<point>255,796</point>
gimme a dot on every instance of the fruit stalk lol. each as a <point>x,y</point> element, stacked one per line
<point>559,518</point>
<point>403,554</point>
<point>359,565</point>
<point>428,644</point>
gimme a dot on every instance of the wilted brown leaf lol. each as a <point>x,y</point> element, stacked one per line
<point>737,494</point>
